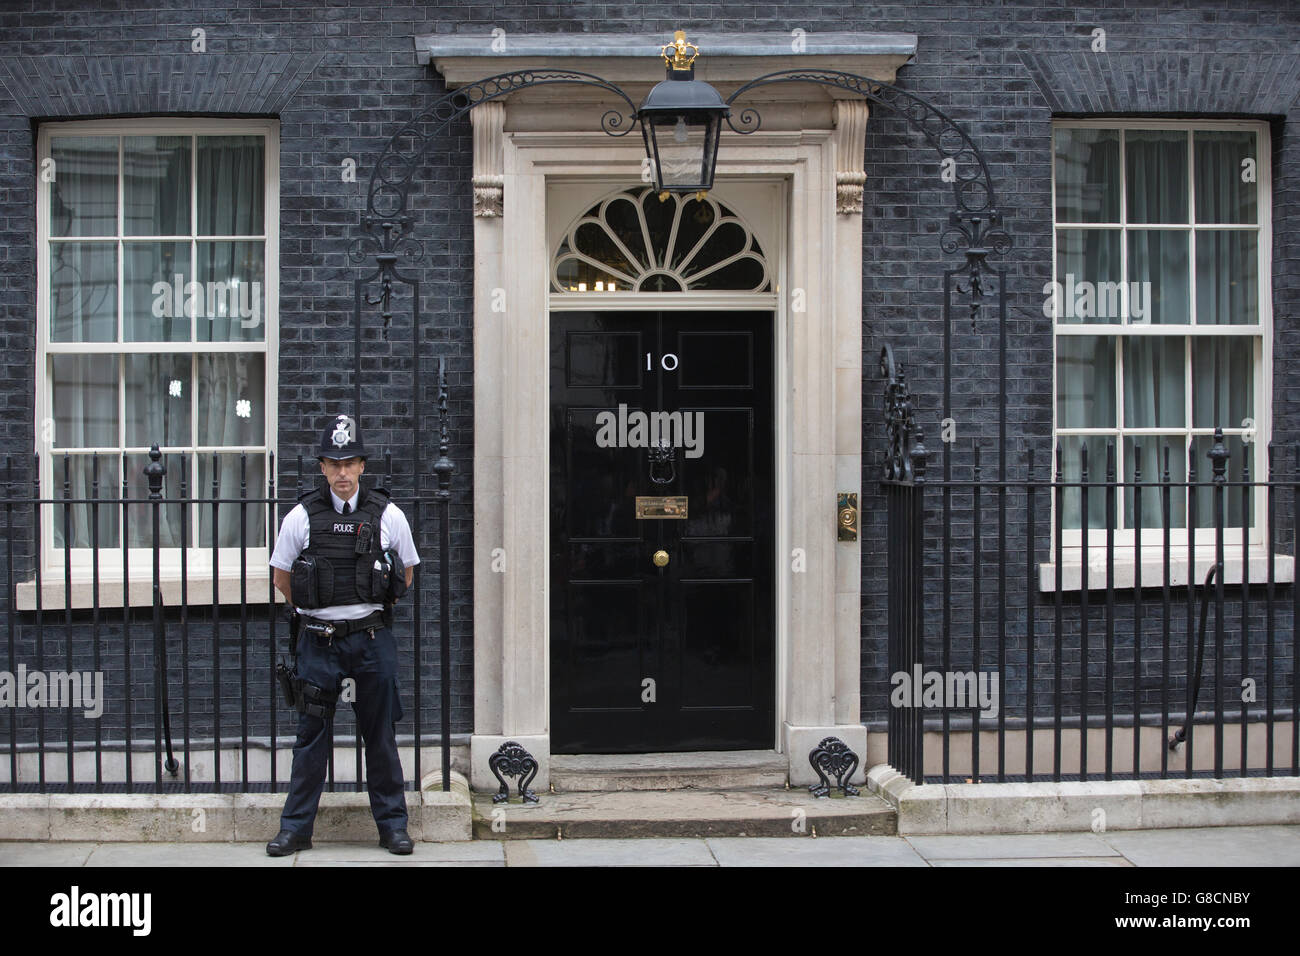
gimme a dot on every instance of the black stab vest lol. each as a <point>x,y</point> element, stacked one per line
<point>345,577</point>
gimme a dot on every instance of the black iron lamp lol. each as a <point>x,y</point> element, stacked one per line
<point>680,120</point>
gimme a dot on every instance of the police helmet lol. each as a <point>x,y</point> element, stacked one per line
<point>341,439</point>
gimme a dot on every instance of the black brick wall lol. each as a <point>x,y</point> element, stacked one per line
<point>341,78</point>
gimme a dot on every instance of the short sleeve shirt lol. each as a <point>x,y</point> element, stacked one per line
<point>295,534</point>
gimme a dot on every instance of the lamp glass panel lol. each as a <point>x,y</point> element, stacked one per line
<point>681,147</point>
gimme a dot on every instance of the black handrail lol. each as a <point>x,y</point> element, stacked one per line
<point>1181,735</point>
<point>171,764</point>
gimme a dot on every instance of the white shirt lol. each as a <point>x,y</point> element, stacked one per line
<point>295,534</point>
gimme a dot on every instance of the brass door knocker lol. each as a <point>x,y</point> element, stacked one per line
<point>661,456</point>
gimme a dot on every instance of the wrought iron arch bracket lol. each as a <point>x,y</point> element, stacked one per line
<point>386,223</point>
<point>975,225</point>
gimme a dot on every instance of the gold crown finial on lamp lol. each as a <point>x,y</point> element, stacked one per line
<point>679,59</point>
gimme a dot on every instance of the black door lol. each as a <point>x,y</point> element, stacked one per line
<point>679,657</point>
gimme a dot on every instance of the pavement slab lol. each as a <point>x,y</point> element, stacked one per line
<point>830,851</point>
<point>394,861</point>
<point>1011,846</point>
<point>644,852</point>
<point>1210,846</point>
<point>1214,846</point>
<point>480,851</point>
<point>1039,861</point>
<point>45,854</point>
<point>184,854</point>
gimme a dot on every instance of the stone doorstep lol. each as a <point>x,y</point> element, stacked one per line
<point>435,816</point>
<point>1082,806</point>
<point>683,813</point>
<point>735,770</point>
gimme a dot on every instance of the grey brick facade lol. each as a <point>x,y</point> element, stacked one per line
<point>342,78</point>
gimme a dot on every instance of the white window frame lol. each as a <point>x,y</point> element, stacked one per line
<point>1152,539</point>
<point>253,562</point>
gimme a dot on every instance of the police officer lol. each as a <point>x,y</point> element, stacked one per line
<point>343,556</point>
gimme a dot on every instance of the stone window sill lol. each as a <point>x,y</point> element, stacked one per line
<point>1153,569</point>
<point>199,591</point>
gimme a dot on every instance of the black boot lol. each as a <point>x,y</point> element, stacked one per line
<point>398,841</point>
<point>286,842</point>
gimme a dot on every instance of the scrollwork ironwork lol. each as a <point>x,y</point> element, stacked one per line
<point>444,466</point>
<point>978,236</point>
<point>905,457</point>
<point>974,226</point>
<point>407,151</point>
<point>512,760</point>
<point>386,224</point>
<point>834,758</point>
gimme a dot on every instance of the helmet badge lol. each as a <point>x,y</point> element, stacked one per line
<point>344,431</point>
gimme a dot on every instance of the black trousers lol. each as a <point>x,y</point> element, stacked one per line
<point>372,663</point>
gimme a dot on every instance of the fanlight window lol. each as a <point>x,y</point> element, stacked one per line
<point>633,242</point>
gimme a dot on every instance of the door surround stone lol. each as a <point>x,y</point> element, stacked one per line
<point>814,142</point>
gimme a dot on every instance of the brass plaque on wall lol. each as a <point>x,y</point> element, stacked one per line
<point>673,506</point>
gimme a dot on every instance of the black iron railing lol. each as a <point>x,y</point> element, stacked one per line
<point>101,680</point>
<point>1111,655</point>
<point>1112,652</point>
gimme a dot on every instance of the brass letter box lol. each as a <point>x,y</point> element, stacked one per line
<point>673,506</point>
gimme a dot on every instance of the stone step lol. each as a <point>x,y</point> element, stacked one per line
<point>684,813</point>
<point>434,816</point>
<point>713,770</point>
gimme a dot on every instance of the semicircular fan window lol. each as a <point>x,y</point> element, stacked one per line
<point>633,242</point>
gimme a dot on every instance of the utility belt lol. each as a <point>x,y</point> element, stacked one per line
<point>305,697</point>
<point>324,632</point>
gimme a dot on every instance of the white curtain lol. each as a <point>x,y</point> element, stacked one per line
<point>159,387</point>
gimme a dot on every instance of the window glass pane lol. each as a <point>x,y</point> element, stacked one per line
<point>83,292</point>
<point>1159,281</point>
<point>84,394</point>
<point>595,242</point>
<point>1223,367</point>
<point>231,180</point>
<point>1072,462</point>
<point>156,185</point>
<point>659,222</point>
<point>232,276</point>
<point>1156,170</point>
<point>83,195</point>
<point>1155,371</point>
<point>154,297</point>
<point>1087,261</point>
<point>1227,277</point>
<point>81,472</point>
<point>139,517</point>
<point>1226,185</point>
<point>158,399</point>
<point>726,241</point>
<point>231,390</point>
<point>623,221</point>
<point>1087,175</point>
<point>575,275</point>
<point>745,273</point>
<point>228,472</point>
<point>1149,453</point>
<point>1232,497</point>
<point>696,219</point>
<point>1085,381</point>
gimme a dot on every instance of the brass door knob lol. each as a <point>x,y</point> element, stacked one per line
<point>661,559</point>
